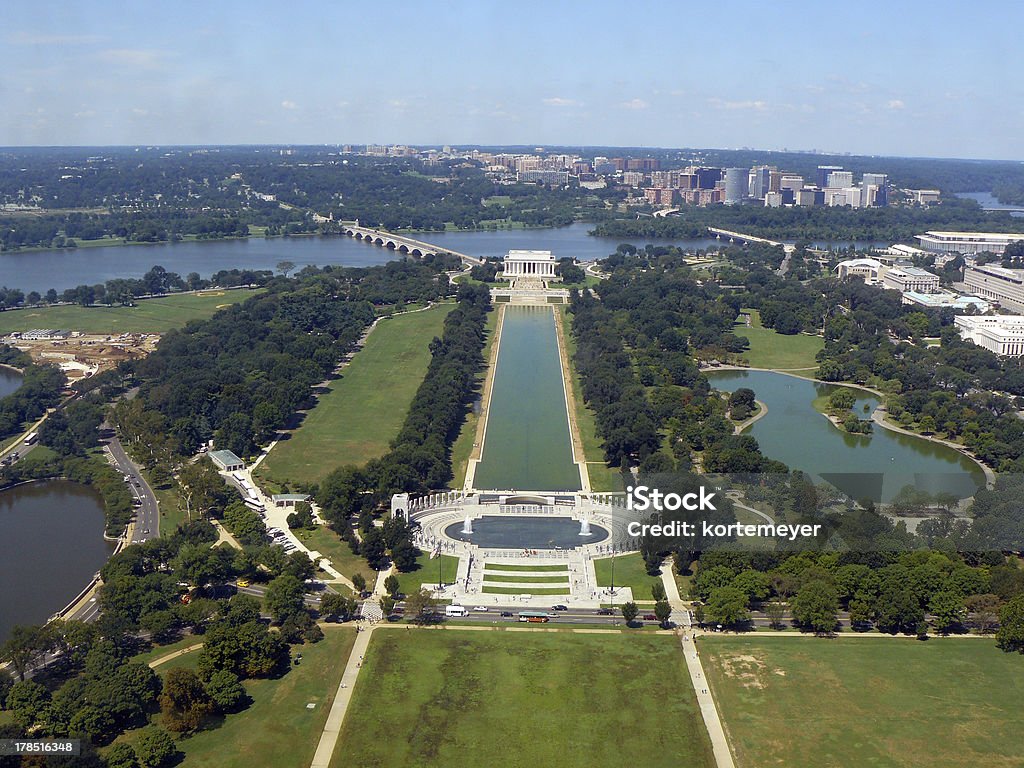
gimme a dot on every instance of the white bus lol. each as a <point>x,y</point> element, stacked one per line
<point>31,438</point>
<point>455,610</point>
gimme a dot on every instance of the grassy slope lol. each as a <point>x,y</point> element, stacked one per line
<point>809,702</point>
<point>505,699</point>
<point>769,349</point>
<point>362,412</point>
<point>148,316</point>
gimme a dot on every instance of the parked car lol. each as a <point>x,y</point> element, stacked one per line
<point>650,617</point>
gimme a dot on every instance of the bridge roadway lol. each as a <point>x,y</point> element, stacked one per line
<point>742,238</point>
<point>403,244</point>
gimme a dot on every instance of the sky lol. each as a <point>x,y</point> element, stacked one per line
<point>914,78</point>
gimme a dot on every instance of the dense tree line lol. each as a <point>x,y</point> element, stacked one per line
<point>241,374</point>
<point>40,389</point>
<point>420,456</point>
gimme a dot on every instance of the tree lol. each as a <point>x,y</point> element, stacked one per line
<point>225,690</point>
<point>284,267</point>
<point>815,606</point>
<point>335,607</point>
<point>184,703</point>
<point>121,755</point>
<point>27,700</point>
<point>359,582</point>
<point>387,604</point>
<point>897,609</point>
<point>727,606</point>
<point>983,611</point>
<point>775,610</point>
<point>24,645</point>
<point>1010,635</point>
<point>658,591</point>
<point>393,585</point>
<point>155,748</point>
<point>630,611</point>
<point>663,611</point>
<point>947,610</point>
<point>6,681</point>
<point>285,597</point>
<point>419,606</point>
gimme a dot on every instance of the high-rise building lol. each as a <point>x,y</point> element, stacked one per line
<point>708,177</point>
<point>791,182</point>
<point>760,181</point>
<point>875,190</point>
<point>839,179</point>
<point>824,171</point>
<point>735,185</point>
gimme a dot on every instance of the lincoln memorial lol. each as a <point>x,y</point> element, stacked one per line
<point>540,264</point>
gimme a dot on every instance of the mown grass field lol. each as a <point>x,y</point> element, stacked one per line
<point>629,572</point>
<point>329,544</point>
<point>503,699</point>
<point>148,316</point>
<point>808,702</point>
<point>427,573</point>
<point>277,730</point>
<point>361,413</point>
<point>769,349</point>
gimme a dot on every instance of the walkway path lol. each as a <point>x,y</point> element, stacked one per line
<point>173,655</point>
<point>335,718</point>
<point>708,710</point>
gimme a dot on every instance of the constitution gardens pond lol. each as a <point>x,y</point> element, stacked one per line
<point>872,466</point>
<point>52,545</point>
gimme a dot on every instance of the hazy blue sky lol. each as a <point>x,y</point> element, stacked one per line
<point>907,78</point>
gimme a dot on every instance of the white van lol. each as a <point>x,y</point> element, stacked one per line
<point>455,610</point>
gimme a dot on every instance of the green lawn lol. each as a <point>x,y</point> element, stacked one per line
<point>504,700</point>
<point>148,316</point>
<point>602,477</point>
<point>769,349</point>
<point>629,572</point>
<point>515,579</point>
<point>526,590</point>
<point>463,446</point>
<point>162,650</point>
<point>277,730</point>
<point>845,702</point>
<point>509,567</point>
<point>359,416</point>
<point>325,541</point>
<point>427,573</point>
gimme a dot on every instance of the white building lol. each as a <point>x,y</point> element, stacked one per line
<point>1005,286</point>
<point>870,270</point>
<point>1002,334</point>
<point>910,279</point>
<point>540,264</point>
<point>946,300</point>
<point>967,242</point>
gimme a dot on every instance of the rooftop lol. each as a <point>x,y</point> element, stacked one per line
<point>225,457</point>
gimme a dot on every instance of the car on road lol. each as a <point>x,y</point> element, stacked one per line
<point>242,582</point>
<point>145,531</point>
<point>560,607</point>
<point>481,609</point>
<point>650,617</point>
<point>506,614</point>
<point>605,612</point>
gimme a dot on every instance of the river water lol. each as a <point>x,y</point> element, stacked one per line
<point>527,445</point>
<point>875,466</point>
<point>10,380</point>
<point>52,545</point>
<point>988,200</point>
<point>67,268</point>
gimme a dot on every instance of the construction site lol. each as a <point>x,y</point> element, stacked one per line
<point>81,355</point>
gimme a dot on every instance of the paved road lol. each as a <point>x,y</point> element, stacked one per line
<point>147,511</point>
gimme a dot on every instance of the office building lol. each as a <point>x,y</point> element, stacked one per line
<point>910,279</point>
<point>1003,286</point>
<point>823,173</point>
<point>967,242</point>
<point>760,181</point>
<point>1002,334</point>
<point>791,182</point>
<point>735,185</point>
<point>868,270</point>
<point>875,190</point>
<point>840,179</point>
<point>946,300</point>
